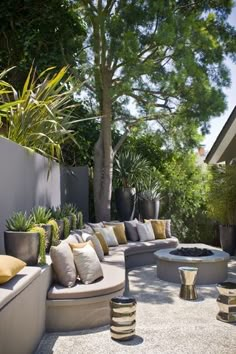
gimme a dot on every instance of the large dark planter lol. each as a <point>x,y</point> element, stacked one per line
<point>149,209</point>
<point>228,238</point>
<point>125,203</point>
<point>60,224</point>
<point>23,245</point>
<point>48,230</point>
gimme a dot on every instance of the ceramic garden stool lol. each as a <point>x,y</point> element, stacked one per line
<point>227,302</point>
<point>123,314</point>
<point>188,277</point>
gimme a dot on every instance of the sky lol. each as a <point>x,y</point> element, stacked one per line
<point>218,123</point>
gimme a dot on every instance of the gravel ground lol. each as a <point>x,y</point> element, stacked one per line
<point>165,323</point>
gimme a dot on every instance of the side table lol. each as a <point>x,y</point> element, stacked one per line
<point>188,278</point>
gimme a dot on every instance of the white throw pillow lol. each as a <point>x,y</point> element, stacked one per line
<point>109,235</point>
<point>87,264</point>
<point>145,231</point>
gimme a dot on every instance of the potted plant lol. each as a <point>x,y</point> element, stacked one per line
<point>21,240</point>
<point>69,210</point>
<point>128,169</point>
<point>150,195</point>
<point>43,217</point>
<point>221,204</point>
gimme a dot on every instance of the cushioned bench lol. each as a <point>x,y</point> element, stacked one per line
<point>87,306</point>
<point>23,310</point>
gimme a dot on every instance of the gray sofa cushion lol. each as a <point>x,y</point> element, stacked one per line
<point>109,235</point>
<point>131,230</point>
<point>150,246</point>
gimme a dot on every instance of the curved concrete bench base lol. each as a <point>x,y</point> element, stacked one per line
<point>71,315</point>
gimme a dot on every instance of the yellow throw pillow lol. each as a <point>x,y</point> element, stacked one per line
<point>9,267</point>
<point>103,243</point>
<point>80,244</point>
<point>119,230</point>
<point>159,228</point>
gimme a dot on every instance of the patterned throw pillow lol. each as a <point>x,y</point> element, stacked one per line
<point>103,243</point>
<point>109,235</point>
<point>145,231</point>
<point>9,267</point>
<point>119,230</point>
<point>87,264</point>
<point>159,228</point>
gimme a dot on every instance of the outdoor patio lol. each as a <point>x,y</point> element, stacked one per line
<point>166,324</point>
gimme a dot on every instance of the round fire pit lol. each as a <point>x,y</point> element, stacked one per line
<point>211,268</point>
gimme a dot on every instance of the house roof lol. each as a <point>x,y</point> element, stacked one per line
<point>224,148</point>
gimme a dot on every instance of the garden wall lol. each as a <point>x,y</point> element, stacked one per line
<point>24,183</point>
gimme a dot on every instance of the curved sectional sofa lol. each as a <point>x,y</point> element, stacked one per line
<point>87,306</point>
<point>31,303</point>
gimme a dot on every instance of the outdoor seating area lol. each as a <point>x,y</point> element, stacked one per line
<point>117,198</point>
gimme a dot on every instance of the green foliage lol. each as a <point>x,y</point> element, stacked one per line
<point>19,222</point>
<point>130,169</point>
<point>41,215</point>
<point>57,213</point>
<point>41,118</point>
<point>68,209</point>
<point>48,33</point>
<point>74,221</point>
<point>221,197</point>
<point>42,246</point>
<point>66,227</point>
<point>150,186</point>
<point>80,223</point>
<point>55,232</point>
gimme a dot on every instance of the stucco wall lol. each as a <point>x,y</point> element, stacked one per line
<point>24,182</point>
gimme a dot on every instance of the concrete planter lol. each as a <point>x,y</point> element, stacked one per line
<point>23,245</point>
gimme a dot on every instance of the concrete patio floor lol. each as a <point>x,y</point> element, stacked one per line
<point>165,323</point>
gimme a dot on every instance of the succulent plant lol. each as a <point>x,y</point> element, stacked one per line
<point>80,222</point>
<point>19,222</point>
<point>69,209</point>
<point>56,213</point>
<point>42,247</point>
<point>41,215</point>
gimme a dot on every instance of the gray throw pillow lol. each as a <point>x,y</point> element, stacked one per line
<point>96,244</point>
<point>63,264</point>
<point>168,228</point>
<point>145,231</point>
<point>87,264</point>
<point>73,238</point>
<point>131,230</point>
<point>109,235</point>
<point>95,225</point>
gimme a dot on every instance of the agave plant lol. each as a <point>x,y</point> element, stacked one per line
<point>41,215</point>
<point>39,117</point>
<point>150,187</point>
<point>19,222</point>
<point>57,213</point>
<point>130,169</point>
<point>69,209</point>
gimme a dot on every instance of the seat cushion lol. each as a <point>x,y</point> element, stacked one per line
<point>113,280</point>
<point>150,246</point>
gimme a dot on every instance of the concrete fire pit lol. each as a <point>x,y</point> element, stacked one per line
<point>211,269</point>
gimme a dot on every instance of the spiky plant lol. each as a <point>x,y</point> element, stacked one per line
<point>56,213</point>
<point>39,117</point>
<point>66,227</point>
<point>19,222</point>
<point>55,232</point>
<point>69,209</point>
<point>80,222</point>
<point>41,215</point>
<point>151,186</point>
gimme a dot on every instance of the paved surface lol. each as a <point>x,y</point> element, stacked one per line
<point>165,323</point>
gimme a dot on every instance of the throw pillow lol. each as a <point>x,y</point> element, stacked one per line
<point>9,267</point>
<point>95,225</point>
<point>96,244</point>
<point>168,228</point>
<point>87,264</point>
<point>103,243</point>
<point>145,231</point>
<point>63,264</point>
<point>159,228</point>
<point>80,244</point>
<point>119,230</point>
<point>109,235</point>
<point>131,230</point>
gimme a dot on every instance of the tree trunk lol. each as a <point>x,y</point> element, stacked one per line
<point>103,161</point>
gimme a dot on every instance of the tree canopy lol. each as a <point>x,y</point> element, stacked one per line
<point>167,57</point>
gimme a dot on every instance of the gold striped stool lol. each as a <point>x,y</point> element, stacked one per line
<point>123,317</point>
<point>226,302</point>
